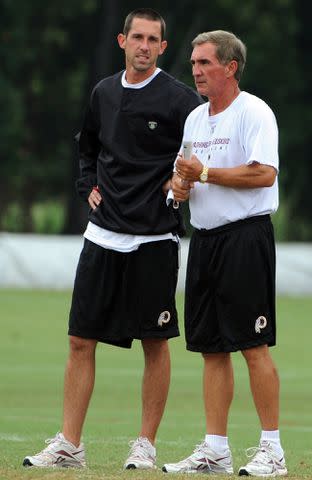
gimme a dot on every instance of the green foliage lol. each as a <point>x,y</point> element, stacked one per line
<point>42,82</point>
<point>280,222</point>
<point>287,225</point>
<point>32,360</point>
<point>48,217</point>
<point>12,219</point>
<point>45,217</point>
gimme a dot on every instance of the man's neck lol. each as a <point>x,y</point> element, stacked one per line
<point>135,76</point>
<point>219,103</point>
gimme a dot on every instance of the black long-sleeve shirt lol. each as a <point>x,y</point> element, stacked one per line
<point>127,147</point>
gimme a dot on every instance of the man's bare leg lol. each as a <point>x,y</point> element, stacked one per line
<point>155,385</point>
<point>264,384</point>
<point>218,388</point>
<point>78,386</point>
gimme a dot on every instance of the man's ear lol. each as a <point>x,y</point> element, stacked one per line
<point>231,68</point>
<point>121,38</point>
<point>163,47</point>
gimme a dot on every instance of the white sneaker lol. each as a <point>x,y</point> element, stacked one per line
<point>142,454</point>
<point>58,453</point>
<point>203,460</point>
<point>265,462</point>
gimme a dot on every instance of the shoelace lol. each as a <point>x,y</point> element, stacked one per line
<point>52,440</point>
<point>140,448</point>
<point>46,452</point>
<point>200,449</point>
<point>260,454</point>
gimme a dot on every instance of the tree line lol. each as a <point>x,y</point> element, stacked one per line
<point>52,54</point>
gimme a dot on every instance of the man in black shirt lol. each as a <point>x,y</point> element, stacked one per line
<point>127,273</point>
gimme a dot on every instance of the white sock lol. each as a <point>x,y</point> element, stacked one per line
<point>217,442</point>
<point>272,436</point>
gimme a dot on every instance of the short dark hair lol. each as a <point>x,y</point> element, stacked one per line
<point>147,13</point>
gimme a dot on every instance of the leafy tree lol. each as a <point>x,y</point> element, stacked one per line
<point>43,75</point>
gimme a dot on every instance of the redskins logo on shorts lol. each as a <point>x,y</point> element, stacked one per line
<point>164,317</point>
<point>261,323</point>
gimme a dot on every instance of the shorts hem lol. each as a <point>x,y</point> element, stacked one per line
<point>166,335</point>
<point>123,343</point>
<point>228,348</point>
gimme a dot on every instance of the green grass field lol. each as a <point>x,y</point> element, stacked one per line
<point>32,357</point>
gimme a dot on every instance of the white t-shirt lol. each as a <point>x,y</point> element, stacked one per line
<point>121,242</point>
<point>245,132</point>
<point>124,242</point>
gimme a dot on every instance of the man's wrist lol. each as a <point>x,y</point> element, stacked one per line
<point>167,186</point>
<point>203,177</point>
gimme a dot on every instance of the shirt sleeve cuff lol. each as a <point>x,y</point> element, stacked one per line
<point>170,197</point>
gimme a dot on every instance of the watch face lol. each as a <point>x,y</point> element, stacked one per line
<point>203,177</point>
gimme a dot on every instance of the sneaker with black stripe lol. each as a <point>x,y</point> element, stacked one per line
<point>203,460</point>
<point>58,453</point>
<point>265,462</point>
<point>142,455</point>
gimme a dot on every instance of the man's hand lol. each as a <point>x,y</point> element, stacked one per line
<point>189,169</point>
<point>166,186</point>
<point>181,188</point>
<point>94,198</point>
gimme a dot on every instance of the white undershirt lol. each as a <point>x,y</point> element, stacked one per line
<point>124,242</point>
<point>145,82</point>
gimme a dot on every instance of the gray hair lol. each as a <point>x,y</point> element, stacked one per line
<point>228,48</point>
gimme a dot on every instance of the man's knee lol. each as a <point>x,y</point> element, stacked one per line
<point>216,358</point>
<point>258,356</point>
<point>82,346</point>
<point>155,346</point>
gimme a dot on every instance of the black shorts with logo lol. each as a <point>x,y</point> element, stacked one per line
<point>119,297</point>
<point>230,287</point>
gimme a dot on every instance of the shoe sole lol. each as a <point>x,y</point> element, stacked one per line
<point>27,463</point>
<point>132,466</point>
<point>209,472</point>
<point>244,473</point>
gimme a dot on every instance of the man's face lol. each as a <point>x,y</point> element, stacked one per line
<point>209,74</point>
<point>143,44</point>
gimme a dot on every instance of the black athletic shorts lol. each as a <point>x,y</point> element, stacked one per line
<point>230,287</point>
<point>118,297</point>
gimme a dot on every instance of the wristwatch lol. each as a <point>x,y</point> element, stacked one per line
<point>203,177</point>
